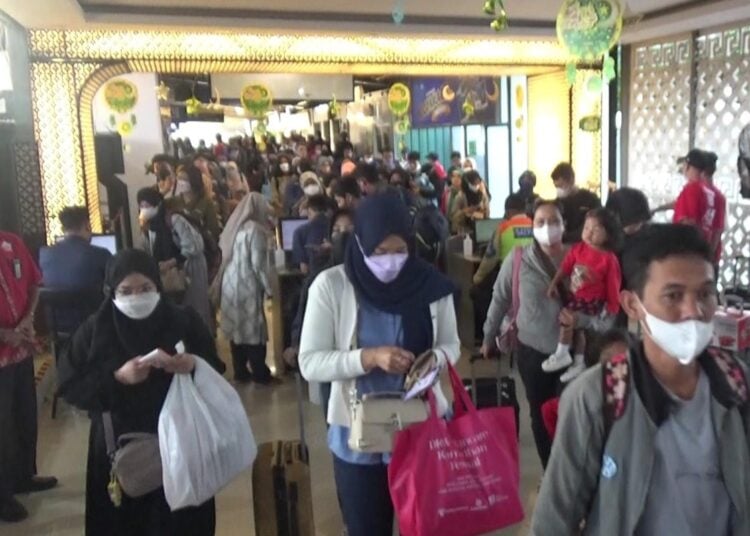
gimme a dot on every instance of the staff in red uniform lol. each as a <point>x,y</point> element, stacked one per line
<point>19,281</point>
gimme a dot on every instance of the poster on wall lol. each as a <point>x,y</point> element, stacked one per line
<point>454,101</point>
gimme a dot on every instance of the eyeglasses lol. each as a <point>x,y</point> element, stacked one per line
<point>131,291</point>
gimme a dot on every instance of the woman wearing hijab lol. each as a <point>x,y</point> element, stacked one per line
<point>196,200</point>
<point>477,200</point>
<point>311,186</point>
<point>365,322</point>
<point>245,283</point>
<point>237,188</point>
<point>282,176</point>
<point>174,241</point>
<point>100,372</point>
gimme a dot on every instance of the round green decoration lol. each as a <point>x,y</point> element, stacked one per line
<point>256,99</point>
<point>589,28</point>
<point>120,95</point>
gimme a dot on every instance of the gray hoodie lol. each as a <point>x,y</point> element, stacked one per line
<point>538,324</point>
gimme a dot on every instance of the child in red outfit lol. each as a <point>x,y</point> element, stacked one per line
<point>595,278</point>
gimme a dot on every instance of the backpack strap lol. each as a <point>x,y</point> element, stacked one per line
<point>616,390</point>
<point>516,281</point>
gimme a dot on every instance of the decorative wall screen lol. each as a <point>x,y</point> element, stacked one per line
<point>662,90</point>
<point>659,117</point>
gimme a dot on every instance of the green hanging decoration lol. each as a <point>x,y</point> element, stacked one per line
<point>588,29</point>
<point>495,8</point>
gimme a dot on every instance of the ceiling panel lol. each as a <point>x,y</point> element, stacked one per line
<point>518,9</point>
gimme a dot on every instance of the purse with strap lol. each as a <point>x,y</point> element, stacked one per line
<point>376,417</point>
<point>507,341</point>
<point>135,462</point>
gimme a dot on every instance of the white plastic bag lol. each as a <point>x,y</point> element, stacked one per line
<point>204,437</point>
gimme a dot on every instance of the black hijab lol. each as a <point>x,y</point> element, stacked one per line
<point>138,337</point>
<point>417,286</point>
<point>163,246</point>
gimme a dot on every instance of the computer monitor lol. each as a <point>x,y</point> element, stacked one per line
<point>484,229</point>
<point>106,241</point>
<point>286,229</point>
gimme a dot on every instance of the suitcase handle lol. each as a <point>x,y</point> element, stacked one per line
<point>305,454</point>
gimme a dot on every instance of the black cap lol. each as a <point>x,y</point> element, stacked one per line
<point>702,160</point>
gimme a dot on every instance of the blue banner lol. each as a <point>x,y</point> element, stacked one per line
<point>454,101</point>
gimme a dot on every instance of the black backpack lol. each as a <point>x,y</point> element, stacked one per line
<point>431,229</point>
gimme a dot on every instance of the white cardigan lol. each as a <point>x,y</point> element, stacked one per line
<point>329,329</point>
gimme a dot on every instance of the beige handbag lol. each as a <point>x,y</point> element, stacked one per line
<point>378,416</point>
<point>174,280</point>
<point>135,462</point>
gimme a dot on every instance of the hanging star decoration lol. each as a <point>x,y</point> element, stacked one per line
<point>162,92</point>
<point>496,9</point>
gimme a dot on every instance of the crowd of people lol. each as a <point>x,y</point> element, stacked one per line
<point>649,440</point>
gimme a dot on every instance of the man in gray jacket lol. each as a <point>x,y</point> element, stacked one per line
<point>655,443</point>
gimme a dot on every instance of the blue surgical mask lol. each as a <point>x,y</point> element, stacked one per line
<point>385,267</point>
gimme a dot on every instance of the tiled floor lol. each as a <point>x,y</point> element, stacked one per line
<point>272,413</point>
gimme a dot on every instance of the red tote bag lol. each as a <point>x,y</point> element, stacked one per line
<point>458,477</point>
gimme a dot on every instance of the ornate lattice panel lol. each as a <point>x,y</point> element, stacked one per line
<point>289,47</point>
<point>29,188</point>
<point>723,100</point>
<point>57,132</point>
<point>659,118</point>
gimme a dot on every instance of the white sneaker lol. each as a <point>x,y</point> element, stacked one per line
<point>573,372</point>
<point>556,362</point>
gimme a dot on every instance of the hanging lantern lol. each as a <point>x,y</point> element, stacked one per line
<point>121,96</point>
<point>588,29</point>
<point>399,99</point>
<point>256,99</point>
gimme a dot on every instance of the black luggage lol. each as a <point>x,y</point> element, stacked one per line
<point>490,392</point>
<point>282,495</point>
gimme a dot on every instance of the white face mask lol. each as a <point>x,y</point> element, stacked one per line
<point>183,187</point>
<point>284,167</point>
<point>149,213</point>
<point>562,192</point>
<point>311,190</point>
<point>684,340</point>
<point>138,306</point>
<point>549,235</point>
<point>474,188</point>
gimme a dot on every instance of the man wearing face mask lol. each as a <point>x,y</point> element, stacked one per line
<point>310,236</point>
<point>662,431</point>
<point>575,202</point>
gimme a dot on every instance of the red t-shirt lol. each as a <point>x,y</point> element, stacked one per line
<point>18,275</point>
<point>594,275</point>
<point>697,203</point>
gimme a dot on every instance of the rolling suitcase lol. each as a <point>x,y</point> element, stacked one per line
<point>490,392</point>
<point>282,495</point>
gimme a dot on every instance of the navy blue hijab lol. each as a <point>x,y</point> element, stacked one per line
<point>417,286</point>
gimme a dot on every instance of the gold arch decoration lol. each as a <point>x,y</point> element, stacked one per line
<point>69,66</point>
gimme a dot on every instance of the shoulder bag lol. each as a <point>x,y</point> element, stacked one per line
<point>135,462</point>
<point>376,417</point>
